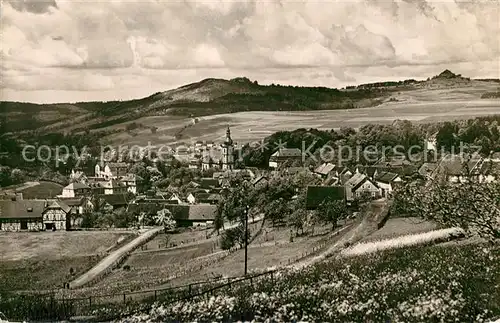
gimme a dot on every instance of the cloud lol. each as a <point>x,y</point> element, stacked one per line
<point>66,40</point>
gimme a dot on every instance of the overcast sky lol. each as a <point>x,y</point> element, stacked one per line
<point>67,51</point>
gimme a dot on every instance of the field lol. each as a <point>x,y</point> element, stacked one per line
<point>256,125</point>
<point>44,260</point>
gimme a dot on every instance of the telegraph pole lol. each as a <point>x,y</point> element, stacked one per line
<point>246,238</point>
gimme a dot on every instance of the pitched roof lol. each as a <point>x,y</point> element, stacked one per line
<point>325,168</point>
<point>317,194</point>
<point>58,205</point>
<point>355,179</point>
<point>202,212</point>
<point>259,179</point>
<point>456,165</point>
<point>362,182</point>
<point>386,177</point>
<point>427,169</point>
<point>72,201</point>
<point>115,199</point>
<point>201,195</point>
<point>287,152</point>
<point>23,209</point>
<point>209,182</point>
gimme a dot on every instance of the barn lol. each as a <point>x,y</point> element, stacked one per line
<point>23,215</point>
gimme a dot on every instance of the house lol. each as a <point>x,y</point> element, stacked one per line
<point>130,181</point>
<point>78,176</point>
<point>427,170</point>
<point>113,186</point>
<point>489,171</point>
<point>396,164</point>
<point>111,170</point>
<point>369,171</point>
<point>208,162</point>
<point>78,205</point>
<point>285,157</point>
<point>198,197</point>
<point>21,215</point>
<point>194,163</point>
<point>114,201</point>
<point>325,170</point>
<point>209,183</point>
<point>359,185</point>
<point>386,181</point>
<point>317,194</point>
<point>196,215</point>
<point>76,190</point>
<point>214,198</point>
<point>459,168</point>
<point>344,174</point>
<point>57,216</point>
<point>175,198</point>
<point>260,182</point>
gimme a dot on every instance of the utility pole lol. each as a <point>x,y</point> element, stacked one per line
<point>246,238</point>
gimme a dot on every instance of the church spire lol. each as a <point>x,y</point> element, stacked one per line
<point>228,141</point>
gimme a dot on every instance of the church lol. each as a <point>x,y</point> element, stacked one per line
<point>225,160</point>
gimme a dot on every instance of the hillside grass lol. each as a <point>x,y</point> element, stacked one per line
<point>43,260</point>
<point>414,284</point>
<point>44,190</point>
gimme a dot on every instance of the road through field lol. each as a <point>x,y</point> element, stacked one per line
<point>113,258</point>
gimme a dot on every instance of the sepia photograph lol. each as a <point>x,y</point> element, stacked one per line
<point>250,161</point>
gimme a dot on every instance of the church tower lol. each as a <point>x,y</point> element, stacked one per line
<point>228,152</point>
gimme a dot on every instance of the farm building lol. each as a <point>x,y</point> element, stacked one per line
<point>75,190</point>
<point>56,216</point>
<point>318,194</point>
<point>285,156</point>
<point>21,215</point>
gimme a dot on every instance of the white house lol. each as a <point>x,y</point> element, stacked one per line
<point>360,184</point>
<point>75,190</point>
<point>111,170</point>
<point>386,181</point>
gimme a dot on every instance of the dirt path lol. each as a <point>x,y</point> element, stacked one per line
<point>372,220</point>
<point>115,257</point>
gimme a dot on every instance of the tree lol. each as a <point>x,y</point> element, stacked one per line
<point>472,206</point>
<point>331,211</point>
<point>298,220</point>
<point>164,217</point>
<point>233,236</point>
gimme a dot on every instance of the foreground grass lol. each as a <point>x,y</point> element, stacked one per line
<point>414,284</point>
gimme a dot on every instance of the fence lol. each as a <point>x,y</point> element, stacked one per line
<point>48,307</point>
<point>57,306</point>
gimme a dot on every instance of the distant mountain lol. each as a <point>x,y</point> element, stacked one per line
<point>207,97</point>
